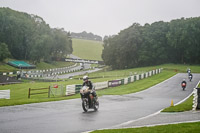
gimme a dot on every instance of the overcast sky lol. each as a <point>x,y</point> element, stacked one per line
<point>104,17</point>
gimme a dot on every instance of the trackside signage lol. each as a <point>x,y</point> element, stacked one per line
<point>114,83</point>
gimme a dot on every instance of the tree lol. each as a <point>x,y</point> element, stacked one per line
<point>177,41</point>
<point>4,52</point>
<point>29,37</point>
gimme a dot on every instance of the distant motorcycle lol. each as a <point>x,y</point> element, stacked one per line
<point>190,77</point>
<point>183,86</point>
<point>88,101</point>
<point>189,72</point>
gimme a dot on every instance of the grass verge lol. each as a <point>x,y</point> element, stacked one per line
<point>138,85</point>
<point>54,64</point>
<point>185,106</point>
<point>171,128</point>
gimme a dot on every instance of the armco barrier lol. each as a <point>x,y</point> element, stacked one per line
<point>132,78</point>
<point>73,89</point>
<point>50,72</point>
<point>122,81</point>
<point>70,90</point>
<point>101,85</point>
<point>125,81</point>
<point>137,77</point>
<point>196,100</point>
<point>147,75</point>
<point>77,88</point>
<point>129,79</point>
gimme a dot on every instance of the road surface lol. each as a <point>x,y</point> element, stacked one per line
<point>67,116</point>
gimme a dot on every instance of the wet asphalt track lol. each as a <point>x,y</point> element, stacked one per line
<point>67,116</point>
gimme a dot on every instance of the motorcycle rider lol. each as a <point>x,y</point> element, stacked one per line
<point>183,84</point>
<point>90,85</point>
<point>188,71</point>
<point>190,76</point>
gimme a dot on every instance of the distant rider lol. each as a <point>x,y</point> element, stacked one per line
<point>88,83</point>
<point>188,71</point>
<point>183,83</point>
<point>190,76</point>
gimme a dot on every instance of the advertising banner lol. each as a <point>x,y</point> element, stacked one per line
<point>114,83</point>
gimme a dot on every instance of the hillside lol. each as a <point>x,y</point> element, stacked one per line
<point>87,49</point>
<point>86,36</point>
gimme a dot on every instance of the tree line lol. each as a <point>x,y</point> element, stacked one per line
<point>28,37</point>
<point>177,41</point>
<point>85,35</point>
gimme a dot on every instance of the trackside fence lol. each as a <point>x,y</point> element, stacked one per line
<point>73,89</point>
<point>57,90</point>
<point>196,99</point>
<point>38,91</point>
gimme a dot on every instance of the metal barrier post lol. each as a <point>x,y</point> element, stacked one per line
<point>29,92</point>
<point>49,92</point>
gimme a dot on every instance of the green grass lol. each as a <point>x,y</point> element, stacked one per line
<point>7,68</point>
<point>171,128</point>
<point>185,106</point>
<point>138,85</point>
<point>19,92</point>
<point>55,64</point>
<point>118,74</point>
<point>87,49</point>
<point>182,68</point>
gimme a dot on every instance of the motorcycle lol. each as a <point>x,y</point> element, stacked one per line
<point>88,101</point>
<point>183,86</point>
<point>190,77</point>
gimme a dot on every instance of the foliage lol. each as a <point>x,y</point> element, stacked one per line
<point>28,37</point>
<point>85,35</point>
<point>161,42</point>
<point>4,52</point>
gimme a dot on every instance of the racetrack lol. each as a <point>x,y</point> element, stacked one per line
<point>67,116</point>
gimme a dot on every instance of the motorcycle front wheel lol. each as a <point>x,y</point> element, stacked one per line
<point>85,105</point>
<point>96,105</point>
